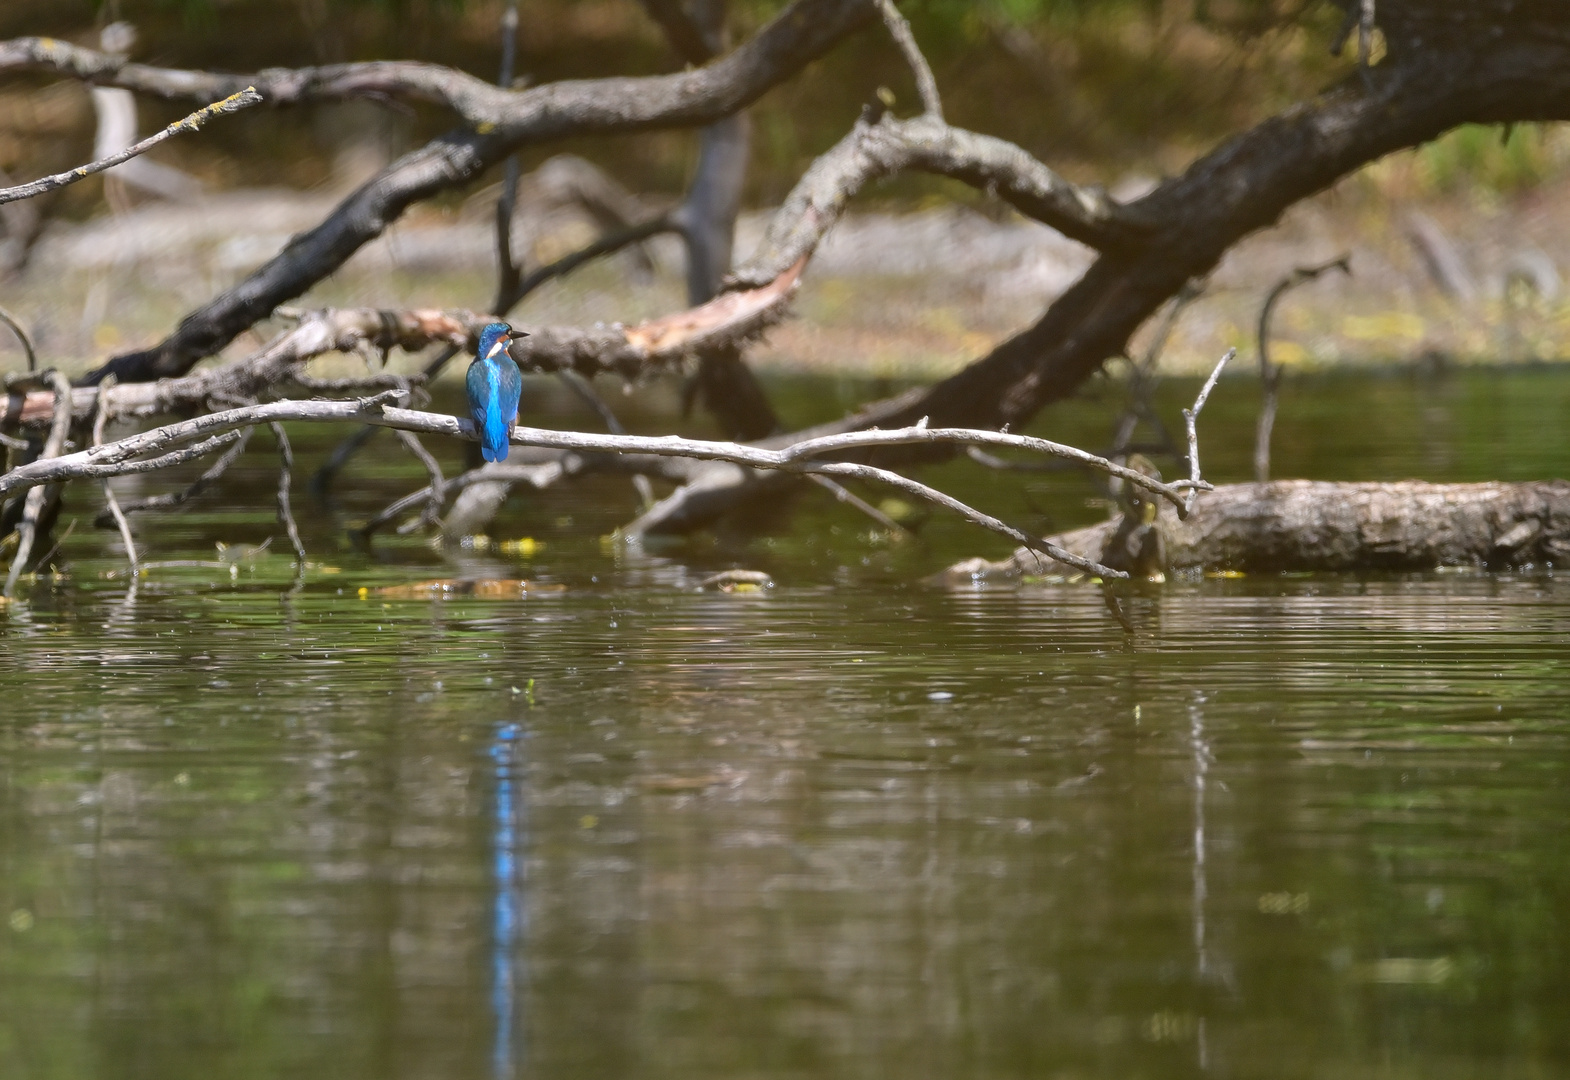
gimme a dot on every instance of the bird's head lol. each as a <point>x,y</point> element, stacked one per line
<point>494,339</point>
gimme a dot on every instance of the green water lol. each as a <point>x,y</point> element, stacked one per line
<point>850,826</point>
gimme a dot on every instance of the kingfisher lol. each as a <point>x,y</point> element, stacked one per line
<point>495,384</point>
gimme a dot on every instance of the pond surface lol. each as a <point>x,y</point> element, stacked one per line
<point>849,826</point>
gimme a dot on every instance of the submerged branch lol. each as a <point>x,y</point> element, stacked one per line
<point>33,507</point>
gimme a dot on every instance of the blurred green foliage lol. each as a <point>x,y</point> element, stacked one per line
<point>1493,159</point>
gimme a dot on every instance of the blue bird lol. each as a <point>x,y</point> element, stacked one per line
<point>495,384</point>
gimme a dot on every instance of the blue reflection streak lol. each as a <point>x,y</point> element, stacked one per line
<point>509,914</point>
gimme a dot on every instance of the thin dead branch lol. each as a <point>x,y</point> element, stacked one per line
<point>234,103</point>
<point>285,482</point>
<point>1270,373</point>
<point>1144,377</point>
<point>433,469</point>
<point>926,85</point>
<point>1190,421</point>
<point>33,507</point>
<point>22,336</point>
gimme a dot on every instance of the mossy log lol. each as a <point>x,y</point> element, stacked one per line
<point>1288,525</point>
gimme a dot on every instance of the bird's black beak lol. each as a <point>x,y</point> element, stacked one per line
<point>515,334</point>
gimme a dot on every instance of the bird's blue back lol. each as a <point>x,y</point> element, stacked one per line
<point>494,387</point>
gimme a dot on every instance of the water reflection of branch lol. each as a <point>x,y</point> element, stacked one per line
<point>112,504</point>
<point>33,507</point>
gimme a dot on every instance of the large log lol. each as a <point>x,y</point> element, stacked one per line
<point>1301,525</point>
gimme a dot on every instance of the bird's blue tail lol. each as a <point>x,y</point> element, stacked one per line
<point>493,439</point>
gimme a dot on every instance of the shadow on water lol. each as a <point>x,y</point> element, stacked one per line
<point>848,826</point>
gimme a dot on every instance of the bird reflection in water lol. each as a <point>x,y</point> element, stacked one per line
<point>509,915</point>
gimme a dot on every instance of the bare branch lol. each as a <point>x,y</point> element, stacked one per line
<point>27,529</point>
<point>872,151</point>
<point>926,85</point>
<point>538,476</point>
<point>233,103</point>
<point>1190,419</point>
<point>21,335</point>
<point>843,494</point>
<point>101,415</point>
<point>628,351</point>
<point>1269,373</point>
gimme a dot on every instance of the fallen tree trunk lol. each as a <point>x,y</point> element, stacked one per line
<point>1304,525</point>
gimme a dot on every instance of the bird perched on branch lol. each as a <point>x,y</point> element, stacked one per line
<point>494,383</point>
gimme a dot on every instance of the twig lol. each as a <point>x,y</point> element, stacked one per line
<point>926,85</point>
<point>1269,373</point>
<point>590,397</point>
<point>232,103</point>
<point>21,335</point>
<point>32,508</point>
<point>285,480</point>
<point>1191,420</point>
<point>608,244</point>
<point>113,504</point>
